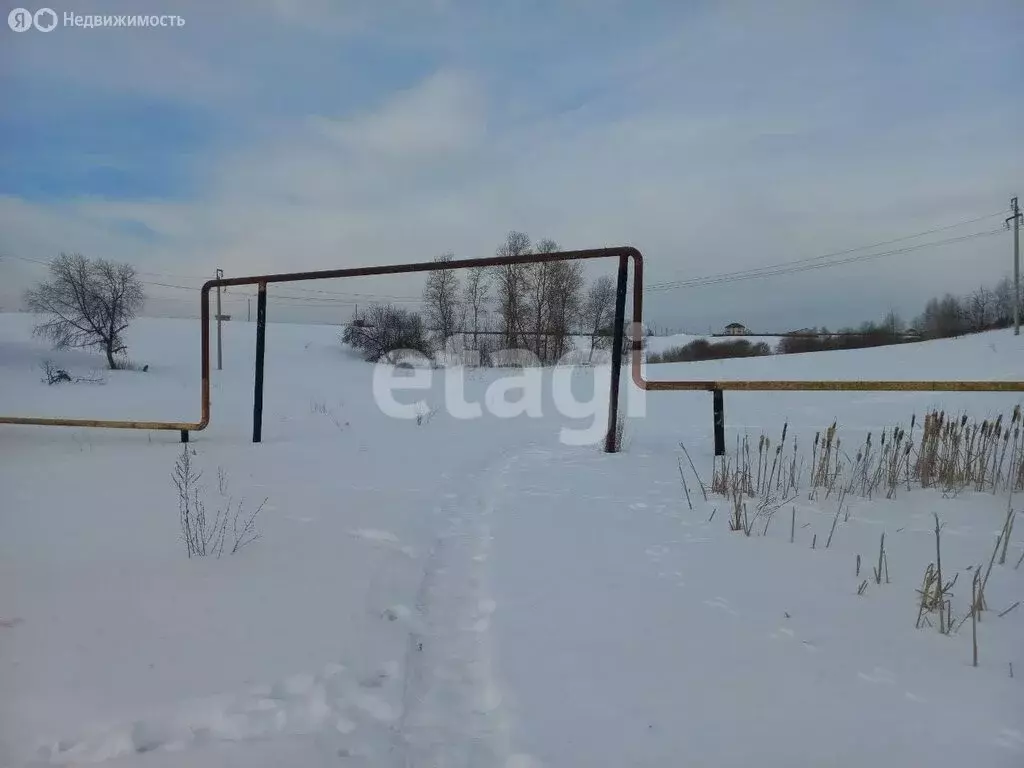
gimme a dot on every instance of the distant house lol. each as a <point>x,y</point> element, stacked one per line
<point>912,334</point>
<point>736,329</point>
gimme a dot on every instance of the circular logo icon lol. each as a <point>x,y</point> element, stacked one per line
<point>45,19</point>
<point>20,20</point>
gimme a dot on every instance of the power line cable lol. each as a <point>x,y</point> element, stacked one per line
<point>833,254</point>
<point>792,268</point>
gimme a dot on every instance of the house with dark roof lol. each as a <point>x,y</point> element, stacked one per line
<point>736,329</point>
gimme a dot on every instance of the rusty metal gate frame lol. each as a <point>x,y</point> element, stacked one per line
<point>624,254</point>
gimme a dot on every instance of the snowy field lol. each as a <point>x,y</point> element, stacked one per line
<point>444,591</point>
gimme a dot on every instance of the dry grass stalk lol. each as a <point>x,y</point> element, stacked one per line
<point>957,453</point>
<point>974,618</point>
<point>857,573</point>
<point>972,612</point>
<point>881,557</point>
<point>926,604</point>
<point>1009,609</point>
<point>776,462</point>
<point>1007,530</point>
<point>760,459</point>
<point>823,475</point>
<point>938,569</point>
<point>863,587</point>
<point>982,605</point>
<point>205,535</point>
<point>792,476</point>
<point>695,473</point>
<point>936,595</point>
<point>792,526</point>
<point>736,520</point>
<point>835,520</point>
<point>682,479</point>
<point>734,473</point>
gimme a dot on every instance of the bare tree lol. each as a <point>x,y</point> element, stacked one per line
<point>89,303</point>
<point>1003,298</point>
<point>980,309</point>
<point>893,324</point>
<point>441,300</point>
<point>565,305</point>
<point>474,297</point>
<point>942,318</point>
<point>510,286</point>
<point>598,311</point>
<point>383,329</point>
<point>538,297</point>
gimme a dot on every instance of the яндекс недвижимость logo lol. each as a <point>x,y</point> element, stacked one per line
<point>46,20</point>
<point>22,19</point>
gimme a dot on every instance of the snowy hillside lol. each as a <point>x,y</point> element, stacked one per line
<point>446,590</point>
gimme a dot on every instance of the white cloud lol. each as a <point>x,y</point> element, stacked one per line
<point>674,151</point>
<point>444,114</point>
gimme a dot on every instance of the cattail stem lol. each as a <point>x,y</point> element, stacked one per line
<point>938,570</point>
<point>834,521</point>
<point>1009,609</point>
<point>974,617</point>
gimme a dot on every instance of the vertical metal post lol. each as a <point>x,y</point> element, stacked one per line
<point>184,435</point>
<point>719,411</point>
<point>204,352</point>
<point>1016,266</point>
<point>611,437</point>
<point>220,274</point>
<point>261,343</point>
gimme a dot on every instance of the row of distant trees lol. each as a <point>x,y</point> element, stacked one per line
<point>984,309</point>
<point>536,306</point>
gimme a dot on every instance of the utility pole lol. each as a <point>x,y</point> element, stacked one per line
<point>1015,218</point>
<point>220,274</point>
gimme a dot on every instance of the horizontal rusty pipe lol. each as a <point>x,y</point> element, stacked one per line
<point>431,266</point>
<point>168,425</point>
<point>832,386</point>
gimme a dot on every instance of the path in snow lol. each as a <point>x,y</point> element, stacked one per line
<point>453,714</point>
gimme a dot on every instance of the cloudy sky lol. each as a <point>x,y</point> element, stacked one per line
<point>714,136</point>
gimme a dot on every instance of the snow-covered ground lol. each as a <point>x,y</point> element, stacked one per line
<point>445,591</point>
